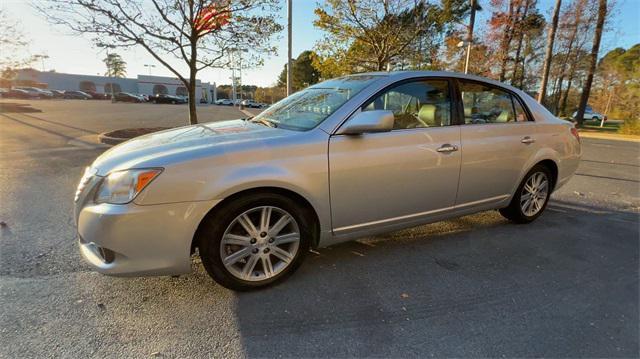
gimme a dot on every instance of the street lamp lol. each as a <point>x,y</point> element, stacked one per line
<point>235,60</point>
<point>41,58</point>
<point>149,66</point>
<point>106,47</point>
<point>467,55</point>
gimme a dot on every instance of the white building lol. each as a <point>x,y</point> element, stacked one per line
<point>143,84</point>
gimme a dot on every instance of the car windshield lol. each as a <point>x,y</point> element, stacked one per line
<point>306,109</point>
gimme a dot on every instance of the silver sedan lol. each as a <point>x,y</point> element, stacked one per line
<point>346,158</point>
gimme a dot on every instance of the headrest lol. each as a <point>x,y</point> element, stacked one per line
<point>427,115</point>
<point>504,116</point>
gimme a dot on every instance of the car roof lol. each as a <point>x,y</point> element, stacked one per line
<point>393,76</point>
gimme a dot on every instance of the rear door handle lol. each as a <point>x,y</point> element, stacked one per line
<point>527,140</point>
<point>447,148</point>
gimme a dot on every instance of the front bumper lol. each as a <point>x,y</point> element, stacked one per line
<point>136,240</point>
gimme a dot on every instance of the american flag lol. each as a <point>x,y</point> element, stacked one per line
<point>212,17</point>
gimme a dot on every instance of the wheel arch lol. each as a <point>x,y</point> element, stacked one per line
<point>306,204</point>
<point>553,167</point>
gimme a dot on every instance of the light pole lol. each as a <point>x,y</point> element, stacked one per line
<point>106,47</point>
<point>289,72</point>
<point>472,20</point>
<point>236,65</point>
<point>149,66</point>
<point>41,58</point>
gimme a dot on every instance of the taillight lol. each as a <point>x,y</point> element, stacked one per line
<point>574,132</point>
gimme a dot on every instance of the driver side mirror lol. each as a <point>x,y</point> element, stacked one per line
<point>368,122</point>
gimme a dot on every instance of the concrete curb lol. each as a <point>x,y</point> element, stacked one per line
<point>112,137</point>
<point>108,140</point>
<point>88,142</point>
<point>606,136</point>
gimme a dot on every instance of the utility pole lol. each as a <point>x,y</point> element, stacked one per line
<point>472,20</point>
<point>289,72</point>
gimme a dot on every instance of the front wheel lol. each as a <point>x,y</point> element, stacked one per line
<point>254,241</point>
<point>531,197</point>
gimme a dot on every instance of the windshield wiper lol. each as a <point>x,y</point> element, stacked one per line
<point>264,122</point>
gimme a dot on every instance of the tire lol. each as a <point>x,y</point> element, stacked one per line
<point>595,118</point>
<point>518,211</point>
<point>214,235</point>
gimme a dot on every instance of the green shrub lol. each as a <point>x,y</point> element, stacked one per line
<point>630,127</point>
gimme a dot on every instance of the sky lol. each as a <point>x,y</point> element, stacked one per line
<point>74,54</point>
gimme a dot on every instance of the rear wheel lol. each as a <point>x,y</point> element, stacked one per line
<point>531,197</point>
<point>255,241</point>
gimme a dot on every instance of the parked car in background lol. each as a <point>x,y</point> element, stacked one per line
<point>251,104</point>
<point>57,93</point>
<point>98,95</point>
<point>349,157</point>
<point>77,95</point>
<point>161,98</point>
<point>589,114</point>
<point>36,92</point>
<point>127,97</point>
<point>224,102</point>
<point>20,94</point>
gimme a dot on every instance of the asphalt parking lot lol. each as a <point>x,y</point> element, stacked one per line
<point>478,286</point>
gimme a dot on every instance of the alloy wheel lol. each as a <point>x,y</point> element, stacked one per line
<point>260,243</point>
<point>534,194</point>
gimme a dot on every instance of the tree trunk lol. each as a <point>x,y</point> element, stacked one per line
<point>506,41</point>
<point>565,96</point>
<point>520,27</point>
<point>193,114</point>
<point>549,52</point>
<point>557,93</point>
<point>602,13</point>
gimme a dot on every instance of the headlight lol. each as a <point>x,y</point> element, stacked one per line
<point>122,187</point>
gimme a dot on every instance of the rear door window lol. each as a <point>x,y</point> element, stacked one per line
<point>487,104</point>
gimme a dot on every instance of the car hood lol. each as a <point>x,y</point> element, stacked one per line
<point>162,148</point>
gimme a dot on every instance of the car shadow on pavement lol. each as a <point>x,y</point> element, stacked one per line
<point>12,107</point>
<point>49,131</point>
<point>477,286</point>
<point>474,286</point>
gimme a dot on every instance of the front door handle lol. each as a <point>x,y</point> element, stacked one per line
<point>527,140</point>
<point>447,148</point>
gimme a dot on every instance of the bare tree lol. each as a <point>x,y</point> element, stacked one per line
<point>549,52</point>
<point>586,89</point>
<point>199,33</point>
<point>13,44</point>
